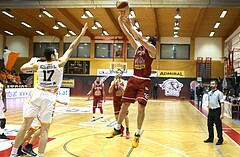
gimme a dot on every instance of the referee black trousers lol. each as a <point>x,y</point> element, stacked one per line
<point>214,117</point>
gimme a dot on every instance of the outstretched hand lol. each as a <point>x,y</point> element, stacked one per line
<point>127,21</point>
<point>84,29</point>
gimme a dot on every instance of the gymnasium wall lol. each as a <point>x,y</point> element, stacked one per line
<point>204,47</point>
<point>18,44</point>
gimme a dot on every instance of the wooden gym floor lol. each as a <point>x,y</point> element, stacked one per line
<point>172,128</point>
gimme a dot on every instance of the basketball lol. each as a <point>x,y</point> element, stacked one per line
<point>122,5</point>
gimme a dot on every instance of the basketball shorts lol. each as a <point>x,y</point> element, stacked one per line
<point>97,101</point>
<point>137,90</point>
<point>117,105</point>
<point>41,103</point>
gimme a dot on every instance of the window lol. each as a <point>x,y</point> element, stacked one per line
<point>82,51</point>
<point>38,48</point>
<point>106,50</point>
<point>175,51</point>
<point>130,51</point>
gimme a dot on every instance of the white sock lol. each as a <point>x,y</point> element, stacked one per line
<point>118,126</point>
<point>94,115</point>
<point>40,155</point>
<point>138,132</point>
<point>14,152</point>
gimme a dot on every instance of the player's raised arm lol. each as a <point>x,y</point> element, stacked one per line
<point>63,60</point>
<point>150,46</point>
<point>31,65</point>
<point>126,31</point>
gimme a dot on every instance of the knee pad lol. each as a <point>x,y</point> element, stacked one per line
<point>3,123</point>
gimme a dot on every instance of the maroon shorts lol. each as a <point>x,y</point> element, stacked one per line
<point>97,101</point>
<point>117,107</point>
<point>137,90</point>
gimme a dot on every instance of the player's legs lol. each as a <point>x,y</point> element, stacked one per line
<point>122,114</point>
<point>28,148</point>
<point>127,127</point>
<point>2,122</point>
<point>43,137</point>
<point>20,135</point>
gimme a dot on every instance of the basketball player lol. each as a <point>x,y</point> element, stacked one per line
<point>139,84</point>
<point>3,109</point>
<point>98,96</point>
<point>42,99</point>
<point>117,87</point>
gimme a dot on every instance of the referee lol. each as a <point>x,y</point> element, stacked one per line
<point>215,114</point>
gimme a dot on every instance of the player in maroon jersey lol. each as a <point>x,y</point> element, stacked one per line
<point>98,96</point>
<point>117,87</point>
<point>139,84</point>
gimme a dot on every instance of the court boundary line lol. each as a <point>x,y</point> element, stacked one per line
<point>193,105</point>
<point>131,149</point>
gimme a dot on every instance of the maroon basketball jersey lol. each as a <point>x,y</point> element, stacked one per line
<point>117,92</point>
<point>97,89</point>
<point>142,62</point>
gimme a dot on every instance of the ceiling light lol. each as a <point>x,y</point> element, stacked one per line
<point>175,32</point>
<point>94,27</point>
<point>224,12</point>
<point>98,24</point>
<point>132,13</point>
<point>39,32</point>
<point>217,24</point>
<point>67,35</point>
<point>47,13</point>
<point>177,16</point>
<point>55,26</point>
<point>9,33</point>
<point>137,24</point>
<point>84,16</point>
<point>175,36</point>
<point>212,34</point>
<point>61,24</point>
<point>88,13</point>
<point>140,32</point>
<point>176,26</point>
<point>41,15</point>
<point>105,32</point>
<point>6,12</point>
<point>71,32</point>
<point>26,25</point>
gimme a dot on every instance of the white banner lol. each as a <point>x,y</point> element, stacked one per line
<point>63,93</point>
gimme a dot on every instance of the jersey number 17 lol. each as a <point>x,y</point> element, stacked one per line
<point>47,75</point>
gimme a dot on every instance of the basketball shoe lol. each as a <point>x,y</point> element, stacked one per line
<point>135,141</point>
<point>28,149</point>
<point>127,134</point>
<point>122,131</point>
<point>115,132</point>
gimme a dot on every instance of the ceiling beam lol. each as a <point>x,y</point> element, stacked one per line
<point>157,26</point>
<point>233,28</point>
<point>15,30</point>
<point>35,23</point>
<point>115,22</point>
<point>73,20</point>
<point>198,22</point>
